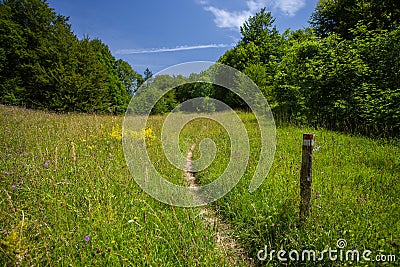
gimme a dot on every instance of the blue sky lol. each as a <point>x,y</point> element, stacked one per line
<point>160,33</point>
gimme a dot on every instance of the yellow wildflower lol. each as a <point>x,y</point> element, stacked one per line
<point>116,132</point>
<point>146,134</point>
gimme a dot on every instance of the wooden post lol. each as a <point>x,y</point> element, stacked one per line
<point>306,175</point>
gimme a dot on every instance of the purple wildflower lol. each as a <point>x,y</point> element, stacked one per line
<point>6,173</point>
<point>318,193</point>
<point>86,238</point>
<point>23,165</point>
<point>46,164</point>
<point>21,183</point>
<point>362,199</point>
<point>36,157</point>
<point>13,187</point>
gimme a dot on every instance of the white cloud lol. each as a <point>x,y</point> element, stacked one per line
<point>255,6</point>
<point>203,2</point>
<point>234,19</point>
<point>226,19</point>
<point>290,7</point>
<point>171,49</point>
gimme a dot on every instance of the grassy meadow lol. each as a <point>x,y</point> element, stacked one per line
<point>67,197</point>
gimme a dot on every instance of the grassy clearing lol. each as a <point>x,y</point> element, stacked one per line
<point>67,197</point>
<point>355,197</point>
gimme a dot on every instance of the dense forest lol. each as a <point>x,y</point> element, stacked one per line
<point>341,72</point>
<point>44,65</point>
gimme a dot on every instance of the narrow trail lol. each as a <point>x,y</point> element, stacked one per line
<point>235,255</point>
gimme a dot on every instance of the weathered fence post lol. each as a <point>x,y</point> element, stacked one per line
<point>306,175</point>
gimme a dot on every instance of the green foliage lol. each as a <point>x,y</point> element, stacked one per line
<point>261,42</point>
<point>44,65</point>
<point>349,85</point>
<point>154,92</point>
<point>341,16</point>
<point>172,92</point>
<point>147,74</point>
<point>256,55</point>
<point>342,74</point>
<point>378,99</point>
<point>256,26</point>
<point>344,84</point>
<point>322,74</point>
<point>131,80</point>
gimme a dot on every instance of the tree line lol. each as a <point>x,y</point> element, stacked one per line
<point>44,65</point>
<point>340,72</point>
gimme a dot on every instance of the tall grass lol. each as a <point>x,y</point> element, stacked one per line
<point>355,197</point>
<point>67,197</point>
